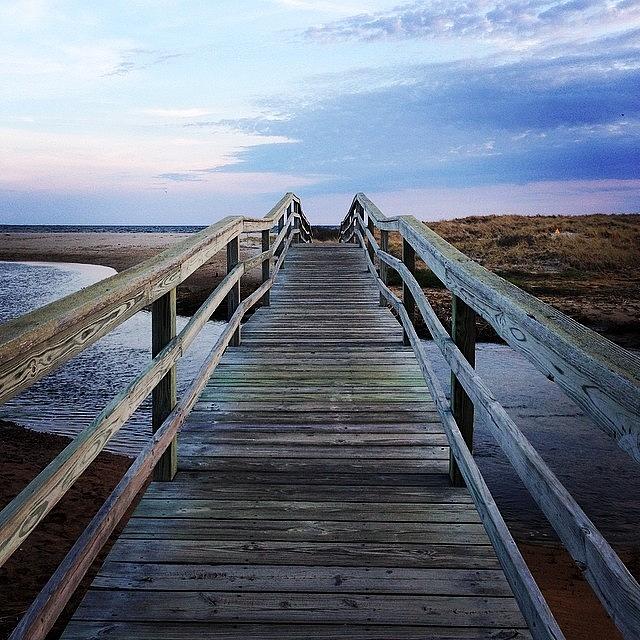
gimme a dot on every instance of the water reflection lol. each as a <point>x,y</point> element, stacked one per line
<point>601,477</point>
<point>68,399</point>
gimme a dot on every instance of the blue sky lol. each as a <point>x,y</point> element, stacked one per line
<point>182,112</point>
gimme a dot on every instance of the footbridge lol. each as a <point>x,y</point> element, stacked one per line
<point>314,480</point>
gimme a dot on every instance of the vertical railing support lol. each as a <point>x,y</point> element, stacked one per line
<point>384,274</point>
<point>281,223</point>
<point>409,259</point>
<point>463,332</point>
<point>372,252</point>
<point>163,330</point>
<point>296,227</point>
<point>266,266</point>
<point>233,297</point>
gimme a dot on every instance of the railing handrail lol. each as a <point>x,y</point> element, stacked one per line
<point>34,344</point>
<point>21,516</point>
<point>606,573</point>
<point>600,376</point>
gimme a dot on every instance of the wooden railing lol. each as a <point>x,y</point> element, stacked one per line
<point>34,345</point>
<point>602,378</point>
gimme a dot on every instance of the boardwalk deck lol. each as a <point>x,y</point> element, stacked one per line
<point>312,498</point>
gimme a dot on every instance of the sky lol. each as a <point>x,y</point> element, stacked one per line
<point>167,112</point>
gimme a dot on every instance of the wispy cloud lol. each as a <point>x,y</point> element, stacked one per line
<point>521,22</point>
<point>138,59</point>
<point>183,176</point>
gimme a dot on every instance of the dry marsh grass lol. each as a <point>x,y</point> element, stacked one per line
<point>586,266</point>
<point>590,244</point>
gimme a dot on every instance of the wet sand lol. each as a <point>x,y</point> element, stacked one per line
<point>25,454</point>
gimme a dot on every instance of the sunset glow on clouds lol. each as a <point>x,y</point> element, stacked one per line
<point>185,112</point>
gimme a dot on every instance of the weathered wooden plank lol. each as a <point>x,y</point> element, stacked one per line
<point>460,611</point>
<point>262,529</point>
<point>264,451</point>
<point>328,481</point>
<point>328,554</point>
<point>293,578</point>
<point>81,630</point>
<point>342,487</point>
<point>313,465</point>
<point>393,512</point>
<point>202,413</point>
<point>204,422</point>
<point>278,438</point>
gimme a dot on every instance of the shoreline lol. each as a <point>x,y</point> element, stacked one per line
<point>121,251</point>
<point>608,303</point>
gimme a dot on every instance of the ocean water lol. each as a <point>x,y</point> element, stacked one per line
<point>82,228</point>
<point>97,374</point>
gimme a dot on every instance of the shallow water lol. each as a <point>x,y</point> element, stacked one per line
<point>97,374</point>
<point>602,478</point>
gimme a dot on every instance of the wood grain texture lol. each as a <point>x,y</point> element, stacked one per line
<point>601,377</point>
<point>23,514</point>
<point>312,489</point>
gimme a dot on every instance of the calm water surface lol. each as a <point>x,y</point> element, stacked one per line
<point>603,479</point>
<point>97,374</point>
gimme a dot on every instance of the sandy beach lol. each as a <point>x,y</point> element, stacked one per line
<point>124,250</point>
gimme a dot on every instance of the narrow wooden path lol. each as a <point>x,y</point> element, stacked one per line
<point>312,499</point>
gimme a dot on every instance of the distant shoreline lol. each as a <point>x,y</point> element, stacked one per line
<point>574,270</point>
<point>120,251</point>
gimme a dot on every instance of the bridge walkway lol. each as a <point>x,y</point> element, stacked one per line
<point>312,498</point>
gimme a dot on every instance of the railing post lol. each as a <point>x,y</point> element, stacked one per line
<point>266,266</point>
<point>281,223</point>
<point>233,297</point>
<point>409,259</point>
<point>296,226</point>
<point>371,227</point>
<point>163,330</point>
<point>384,245</point>
<point>463,332</point>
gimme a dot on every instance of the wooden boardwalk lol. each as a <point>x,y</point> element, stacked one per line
<point>312,498</point>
